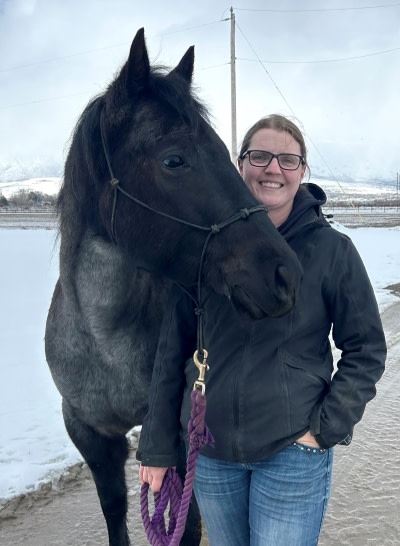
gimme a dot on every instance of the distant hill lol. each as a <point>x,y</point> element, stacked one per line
<point>17,171</point>
<point>374,181</point>
<point>359,190</point>
<point>48,186</point>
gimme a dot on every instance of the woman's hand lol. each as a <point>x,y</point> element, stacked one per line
<point>308,439</point>
<point>153,476</point>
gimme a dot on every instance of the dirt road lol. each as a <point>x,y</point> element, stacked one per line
<point>364,508</point>
<point>365,504</point>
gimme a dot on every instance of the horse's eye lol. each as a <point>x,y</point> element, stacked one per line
<point>173,161</point>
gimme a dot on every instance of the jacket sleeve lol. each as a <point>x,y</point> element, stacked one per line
<point>357,332</point>
<point>160,436</point>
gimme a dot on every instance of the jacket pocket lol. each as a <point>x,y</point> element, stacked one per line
<point>304,390</point>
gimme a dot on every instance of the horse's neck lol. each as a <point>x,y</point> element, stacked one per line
<point>108,289</point>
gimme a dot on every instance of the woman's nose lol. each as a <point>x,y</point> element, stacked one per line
<point>273,166</point>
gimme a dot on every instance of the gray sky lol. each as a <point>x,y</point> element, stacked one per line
<point>57,54</point>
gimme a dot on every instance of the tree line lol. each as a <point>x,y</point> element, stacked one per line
<point>28,199</point>
<point>382,202</point>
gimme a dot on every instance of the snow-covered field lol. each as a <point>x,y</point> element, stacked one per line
<point>34,447</point>
<point>33,444</point>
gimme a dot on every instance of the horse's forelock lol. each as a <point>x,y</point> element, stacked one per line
<point>183,98</point>
<point>163,85</point>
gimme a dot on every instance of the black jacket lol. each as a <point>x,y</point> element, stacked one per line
<point>272,380</point>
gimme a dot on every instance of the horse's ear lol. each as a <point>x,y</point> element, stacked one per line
<point>135,74</point>
<point>185,66</point>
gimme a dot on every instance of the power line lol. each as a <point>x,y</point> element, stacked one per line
<point>318,9</point>
<point>112,46</point>
<point>266,71</point>
<point>294,114</point>
<point>326,60</point>
<point>62,97</point>
<point>49,99</point>
<point>61,58</point>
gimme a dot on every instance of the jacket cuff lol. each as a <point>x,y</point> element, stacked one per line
<point>159,461</point>
<point>323,441</point>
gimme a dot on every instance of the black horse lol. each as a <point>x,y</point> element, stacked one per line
<point>142,153</point>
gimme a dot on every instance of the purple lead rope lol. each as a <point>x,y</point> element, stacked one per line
<point>171,490</point>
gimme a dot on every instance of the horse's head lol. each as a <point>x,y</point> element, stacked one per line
<point>150,134</point>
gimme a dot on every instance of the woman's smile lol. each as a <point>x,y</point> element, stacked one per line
<point>271,185</point>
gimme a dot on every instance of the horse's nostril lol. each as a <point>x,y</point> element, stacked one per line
<point>282,277</point>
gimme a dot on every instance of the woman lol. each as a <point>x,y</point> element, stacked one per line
<point>273,406</point>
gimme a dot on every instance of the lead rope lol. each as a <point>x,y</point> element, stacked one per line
<point>171,492</point>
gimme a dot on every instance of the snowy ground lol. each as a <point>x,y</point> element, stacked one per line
<point>33,444</point>
<point>34,447</point>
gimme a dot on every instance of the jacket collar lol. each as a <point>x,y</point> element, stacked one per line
<point>306,210</point>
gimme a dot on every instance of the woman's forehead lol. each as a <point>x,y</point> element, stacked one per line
<point>272,137</point>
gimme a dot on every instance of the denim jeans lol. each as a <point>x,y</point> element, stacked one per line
<point>279,501</point>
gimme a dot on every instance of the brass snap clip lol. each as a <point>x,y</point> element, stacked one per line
<point>202,367</point>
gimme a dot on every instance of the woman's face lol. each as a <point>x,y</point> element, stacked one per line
<point>272,186</point>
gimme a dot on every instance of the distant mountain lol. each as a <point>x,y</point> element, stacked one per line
<point>373,180</point>
<point>46,185</point>
<point>18,171</point>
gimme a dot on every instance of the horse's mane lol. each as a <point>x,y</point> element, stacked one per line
<point>85,148</point>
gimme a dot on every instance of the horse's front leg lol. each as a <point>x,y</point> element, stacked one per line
<point>106,458</point>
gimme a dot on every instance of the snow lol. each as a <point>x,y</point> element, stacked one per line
<point>34,446</point>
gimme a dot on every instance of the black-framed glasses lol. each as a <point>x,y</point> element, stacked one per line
<point>260,158</point>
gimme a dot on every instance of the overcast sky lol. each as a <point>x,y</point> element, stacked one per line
<point>57,54</point>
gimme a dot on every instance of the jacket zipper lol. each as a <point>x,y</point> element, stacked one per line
<point>236,400</point>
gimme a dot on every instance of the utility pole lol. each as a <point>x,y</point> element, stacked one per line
<point>233,89</point>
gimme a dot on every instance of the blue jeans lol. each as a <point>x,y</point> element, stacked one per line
<point>280,501</point>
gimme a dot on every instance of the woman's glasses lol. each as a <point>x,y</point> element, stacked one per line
<point>287,162</point>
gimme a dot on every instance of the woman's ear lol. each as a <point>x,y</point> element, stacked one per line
<point>240,166</point>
